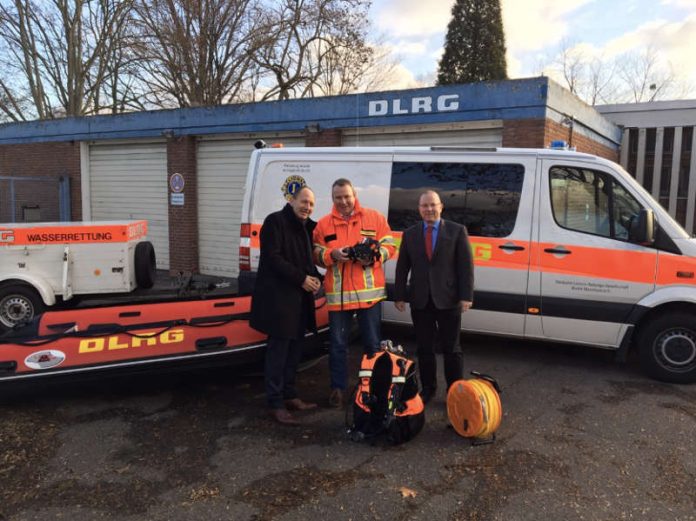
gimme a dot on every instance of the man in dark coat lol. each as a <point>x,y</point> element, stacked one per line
<point>438,256</point>
<point>282,305</point>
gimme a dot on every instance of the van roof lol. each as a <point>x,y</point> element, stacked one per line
<point>542,152</point>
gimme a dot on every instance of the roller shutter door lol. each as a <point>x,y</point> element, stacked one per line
<point>129,181</point>
<point>222,170</point>
<point>476,134</point>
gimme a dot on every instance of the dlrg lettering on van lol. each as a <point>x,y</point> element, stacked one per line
<point>568,247</point>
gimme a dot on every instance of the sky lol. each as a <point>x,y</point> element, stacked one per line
<point>535,31</point>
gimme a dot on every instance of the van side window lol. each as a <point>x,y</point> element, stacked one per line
<point>484,197</point>
<point>592,202</point>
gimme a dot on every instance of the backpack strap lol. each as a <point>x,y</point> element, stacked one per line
<point>363,396</point>
<point>400,371</point>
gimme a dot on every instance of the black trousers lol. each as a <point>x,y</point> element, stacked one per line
<point>282,358</point>
<point>430,323</point>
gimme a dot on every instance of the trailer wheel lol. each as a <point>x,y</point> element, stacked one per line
<point>668,348</point>
<point>145,264</point>
<point>19,304</point>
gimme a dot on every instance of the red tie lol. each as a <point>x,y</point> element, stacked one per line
<point>429,242</point>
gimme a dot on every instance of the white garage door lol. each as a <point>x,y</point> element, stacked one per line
<point>474,134</point>
<point>222,169</point>
<point>129,181</point>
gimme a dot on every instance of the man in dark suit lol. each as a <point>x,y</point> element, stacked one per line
<point>438,256</point>
<point>282,305</point>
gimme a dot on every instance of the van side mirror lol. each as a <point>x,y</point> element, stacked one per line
<point>642,230</point>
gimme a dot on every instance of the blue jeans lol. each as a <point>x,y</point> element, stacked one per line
<point>369,320</point>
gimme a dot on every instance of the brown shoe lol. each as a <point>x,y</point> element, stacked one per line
<point>283,416</point>
<point>298,405</point>
<point>336,399</point>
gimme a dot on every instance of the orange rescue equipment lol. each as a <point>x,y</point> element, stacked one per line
<point>386,399</point>
<point>474,408</point>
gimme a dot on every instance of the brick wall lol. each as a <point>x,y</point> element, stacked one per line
<point>324,138</point>
<point>51,160</point>
<point>183,220</point>
<point>581,142</point>
<point>524,133</point>
<point>538,133</point>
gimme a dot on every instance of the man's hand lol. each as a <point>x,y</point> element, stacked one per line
<point>340,255</point>
<point>311,284</point>
<point>465,305</point>
<point>400,305</point>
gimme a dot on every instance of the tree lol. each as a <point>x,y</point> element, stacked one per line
<point>313,38</point>
<point>644,77</point>
<point>196,52</point>
<point>474,45</point>
<point>636,76</point>
<point>56,54</point>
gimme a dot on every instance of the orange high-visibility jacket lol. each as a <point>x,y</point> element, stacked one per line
<point>350,285</point>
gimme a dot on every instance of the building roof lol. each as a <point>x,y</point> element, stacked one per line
<point>532,98</point>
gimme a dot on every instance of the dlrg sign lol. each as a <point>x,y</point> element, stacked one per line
<point>415,105</point>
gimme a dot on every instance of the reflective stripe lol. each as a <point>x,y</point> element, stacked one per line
<point>354,296</point>
<point>384,254</point>
<point>336,270</point>
<point>369,279</point>
<point>386,241</point>
<point>398,379</point>
<point>364,374</point>
<point>320,256</point>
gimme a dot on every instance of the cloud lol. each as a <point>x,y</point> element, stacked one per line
<point>535,24</point>
<point>674,43</point>
<point>681,4</point>
<point>402,18</point>
<point>405,47</point>
<point>399,78</point>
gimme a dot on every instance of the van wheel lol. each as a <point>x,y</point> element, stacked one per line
<point>19,304</point>
<point>668,348</point>
<point>145,264</point>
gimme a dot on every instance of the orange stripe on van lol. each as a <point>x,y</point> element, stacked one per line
<point>676,269</point>
<point>77,233</point>
<point>255,236</point>
<point>601,263</point>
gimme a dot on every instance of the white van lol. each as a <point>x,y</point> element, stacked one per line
<point>568,247</point>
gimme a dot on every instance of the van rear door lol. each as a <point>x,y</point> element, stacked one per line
<point>591,274</point>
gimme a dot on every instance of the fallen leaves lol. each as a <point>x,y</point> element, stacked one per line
<point>407,492</point>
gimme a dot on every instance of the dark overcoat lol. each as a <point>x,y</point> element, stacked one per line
<point>278,302</point>
<point>447,278</point>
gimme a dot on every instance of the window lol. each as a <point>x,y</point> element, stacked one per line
<point>592,202</point>
<point>484,197</point>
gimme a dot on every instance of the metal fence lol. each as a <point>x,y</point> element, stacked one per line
<point>662,159</point>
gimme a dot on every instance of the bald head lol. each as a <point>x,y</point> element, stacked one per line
<point>302,202</point>
<point>430,207</point>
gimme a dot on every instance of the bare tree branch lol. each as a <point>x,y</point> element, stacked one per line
<point>196,52</point>
<point>58,52</point>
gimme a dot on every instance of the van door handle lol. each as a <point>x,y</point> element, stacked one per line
<point>558,251</point>
<point>511,247</point>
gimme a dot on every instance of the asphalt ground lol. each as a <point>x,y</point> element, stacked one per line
<point>582,438</point>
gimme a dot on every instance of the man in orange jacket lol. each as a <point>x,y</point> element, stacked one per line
<point>353,284</point>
